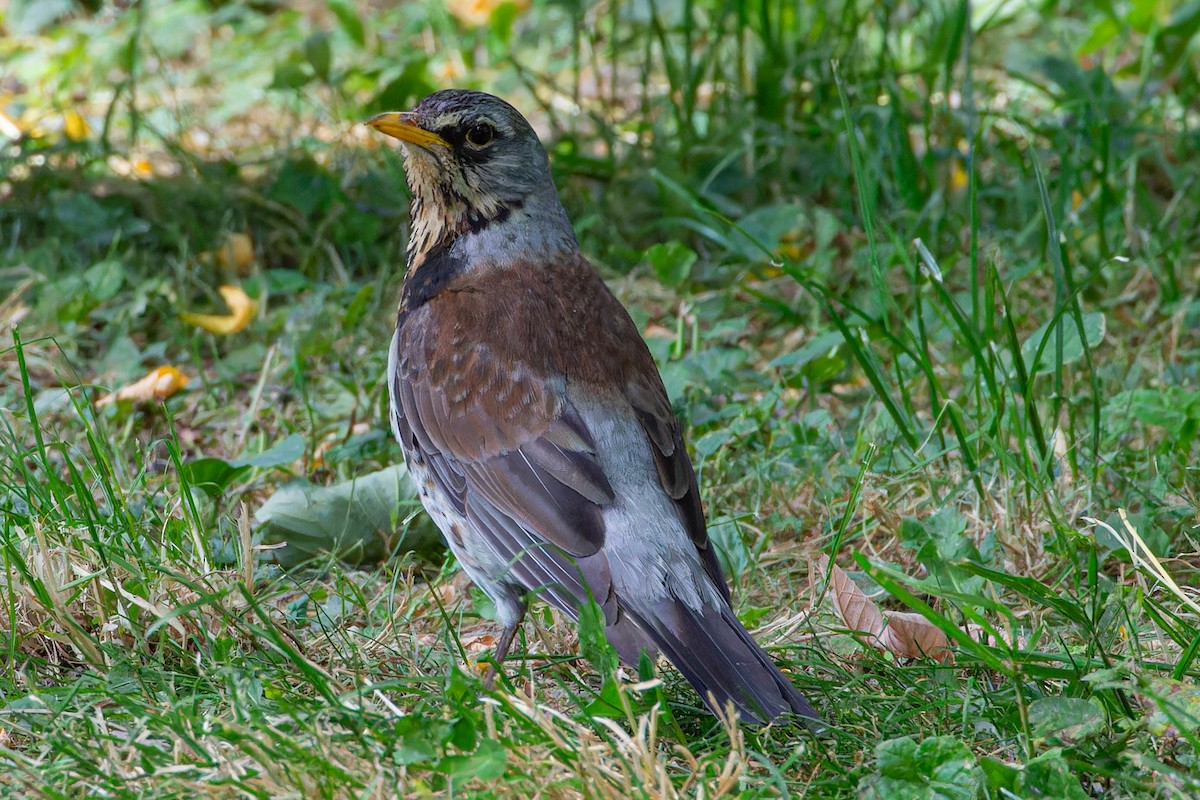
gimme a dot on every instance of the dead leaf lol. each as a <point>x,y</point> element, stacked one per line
<point>910,635</point>
<point>656,331</point>
<point>477,641</point>
<point>858,612</point>
<point>904,634</point>
<point>12,310</point>
<point>158,384</point>
<point>242,309</point>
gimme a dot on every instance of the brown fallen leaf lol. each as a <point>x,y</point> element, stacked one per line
<point>910,635</point>
<point>858,612</point>
<point>242,309</point>
<point>904,634</point>
<point>656,331</point>
<point>158,384</point>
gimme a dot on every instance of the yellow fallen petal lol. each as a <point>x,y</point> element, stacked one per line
<point>958,176</point>
<point>237,253</point>
<point>158,384</point>
<point>242,309</point>
<point>75,126</point>
<point>474,13</point>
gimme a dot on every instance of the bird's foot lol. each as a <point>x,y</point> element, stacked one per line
<point>502,646</point>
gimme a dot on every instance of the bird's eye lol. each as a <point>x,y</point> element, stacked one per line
<point>481,135</point>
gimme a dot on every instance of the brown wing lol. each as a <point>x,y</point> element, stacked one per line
<point>509,453</point>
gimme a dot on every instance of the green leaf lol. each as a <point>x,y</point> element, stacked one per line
<point>593,644</point>
<point>286,281</point>
<point>1174,39</point>
<point>735,558</point>
<point>1041,345</point>
<point>938,768</point>
<point>416,741</point>
<point>1177,705</point>
<point>27,17</point>
<point>211,475</point>
<point>412,83</point>
<point>765,228</point>
<point>285,451</point>
<point>356,519</point>
<point>821,346</point>
<point>1175,409</point>
<point>1145,14</point>
<point>305,185</point>
<point>485,764</point>
<point>291,75</point>
<point>347,18</point>
<point>1104,31</point>
<point>941,544</point>
<point>1000,775</point>
<point>711,442</point>
<point>105,278</point>
<point>1049,775</point>
<point>1033,590</point>
<point>90,221</point>
<point>319,53</point>
<point>607,703</point>
<point>357,307</point>
<point>671,262</point>
<point>595,647</point>
<point>463,733</point>
<point>502,19</point>
<point>751,616</point>
<point>1065,718</point>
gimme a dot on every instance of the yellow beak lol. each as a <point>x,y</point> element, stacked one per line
<point>403,126</point>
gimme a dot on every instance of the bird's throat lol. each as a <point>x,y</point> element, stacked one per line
<point>436,226</point>
<point>451,237</point>
<point>448,240</point>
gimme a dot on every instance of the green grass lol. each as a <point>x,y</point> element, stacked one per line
<point>921,282</point>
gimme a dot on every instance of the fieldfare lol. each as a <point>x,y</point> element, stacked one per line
<point>533,417</point>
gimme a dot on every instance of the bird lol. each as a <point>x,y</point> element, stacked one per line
<point>534,420</point>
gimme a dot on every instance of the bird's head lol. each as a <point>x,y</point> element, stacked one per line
<point>473,162</point>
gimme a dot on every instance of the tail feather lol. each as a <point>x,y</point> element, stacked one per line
<point>720,659</point>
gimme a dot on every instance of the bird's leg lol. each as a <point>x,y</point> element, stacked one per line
<point>506,639</point>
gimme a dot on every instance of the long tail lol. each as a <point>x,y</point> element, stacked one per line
<point>719,658</point>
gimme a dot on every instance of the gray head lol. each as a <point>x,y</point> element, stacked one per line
<point>471,160</point>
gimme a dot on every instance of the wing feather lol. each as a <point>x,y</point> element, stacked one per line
<point>538,503</point>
